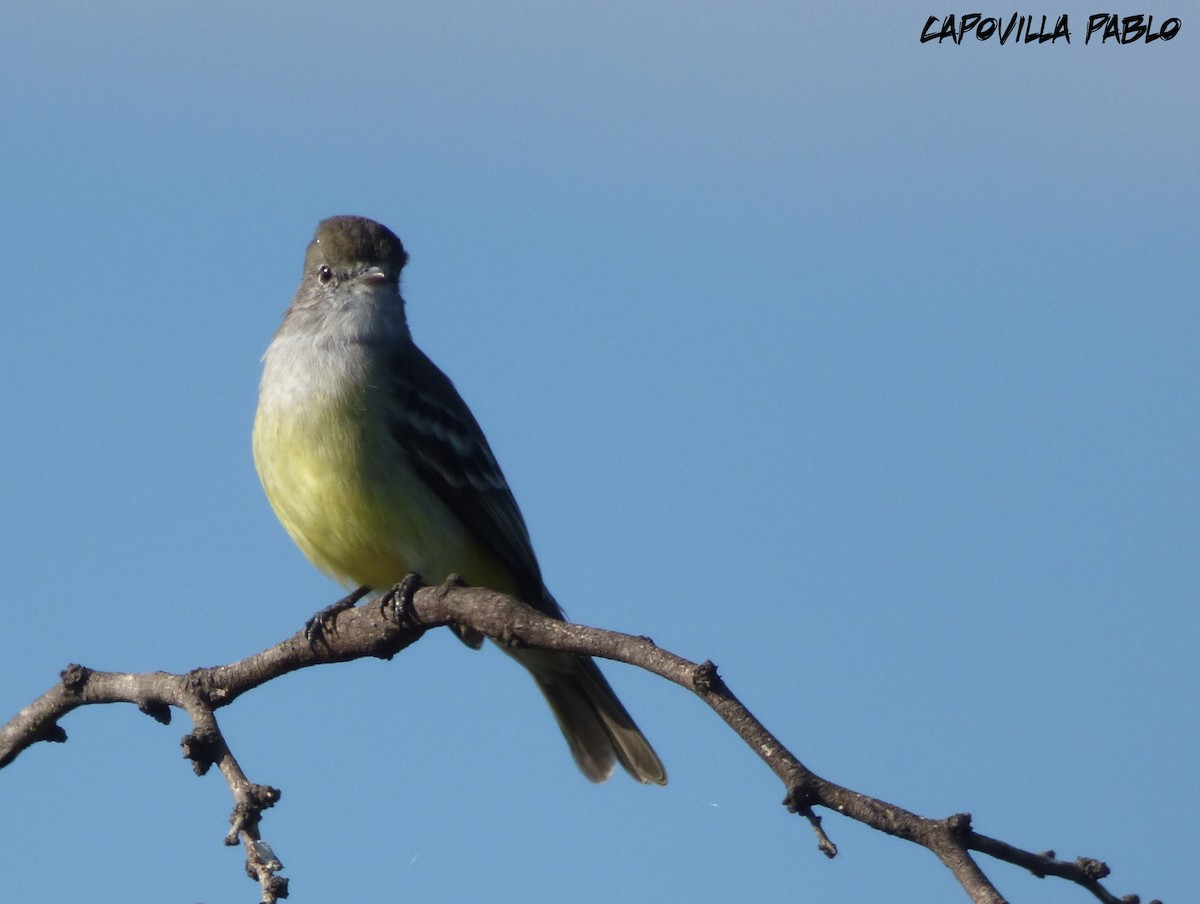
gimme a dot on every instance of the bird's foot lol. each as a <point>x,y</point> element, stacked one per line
<point>400,599</point>
<point>322,623</point>
<point>468,635</point>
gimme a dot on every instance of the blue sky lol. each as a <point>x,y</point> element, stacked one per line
<point>864,367</point>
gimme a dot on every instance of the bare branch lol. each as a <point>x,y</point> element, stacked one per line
<point>383,627</point>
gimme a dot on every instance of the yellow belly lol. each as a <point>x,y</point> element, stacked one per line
<point>348,496</point>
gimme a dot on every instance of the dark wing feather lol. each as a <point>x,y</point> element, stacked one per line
<point>437,431</point>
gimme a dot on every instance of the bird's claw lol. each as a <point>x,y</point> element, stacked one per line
<point>322,624</point>
<point>400,599</point>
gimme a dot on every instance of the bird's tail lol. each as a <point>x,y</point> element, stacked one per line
<point>597,727</point>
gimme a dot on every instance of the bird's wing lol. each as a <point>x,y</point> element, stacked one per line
<point>436,430</point>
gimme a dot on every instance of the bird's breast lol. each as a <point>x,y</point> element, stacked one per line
<point>339,481</point>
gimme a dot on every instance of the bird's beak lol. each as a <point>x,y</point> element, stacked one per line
<point>374,276</point>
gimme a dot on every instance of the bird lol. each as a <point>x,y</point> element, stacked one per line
<point>378,470</point>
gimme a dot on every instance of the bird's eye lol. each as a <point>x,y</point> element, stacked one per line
<point>325,274</point>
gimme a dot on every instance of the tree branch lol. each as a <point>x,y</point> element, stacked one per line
<point>383,627</point>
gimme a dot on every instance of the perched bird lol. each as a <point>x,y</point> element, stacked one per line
<point>377,469</point>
